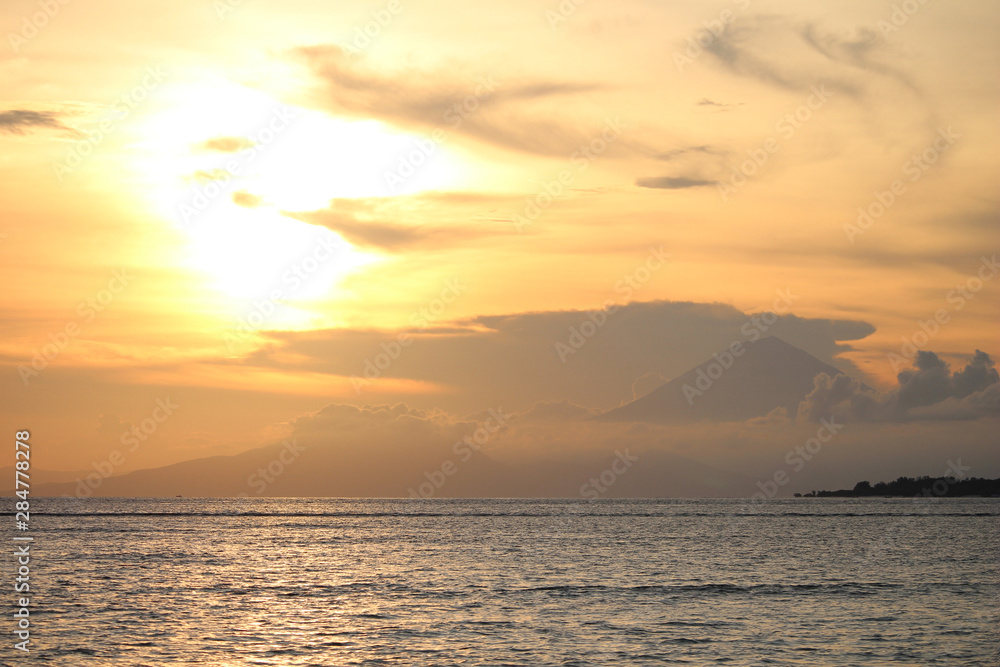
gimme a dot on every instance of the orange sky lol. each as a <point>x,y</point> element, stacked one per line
<point>234,204</point>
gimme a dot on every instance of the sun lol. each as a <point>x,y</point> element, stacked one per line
<point>223,163</point>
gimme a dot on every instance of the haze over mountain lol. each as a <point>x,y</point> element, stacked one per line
<point>745,380</point>
<point>291,469</point>
<point>740,416</point>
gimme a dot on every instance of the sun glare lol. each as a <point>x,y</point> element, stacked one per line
<point>222,162</point>
<point>254,253</point>
<point>288,157</point>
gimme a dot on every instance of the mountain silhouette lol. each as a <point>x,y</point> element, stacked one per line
<point>325,470</point>
<point>743,381</point>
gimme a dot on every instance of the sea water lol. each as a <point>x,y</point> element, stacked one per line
<point>509,582</point>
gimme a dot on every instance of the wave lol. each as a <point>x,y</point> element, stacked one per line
<point>850,588</point>
<point>665,515</point>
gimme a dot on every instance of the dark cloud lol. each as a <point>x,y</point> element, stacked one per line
<point>513,360</point>
<point>974,406</point>
<point>16,121</point>
<point>931,383</point>
<point>978,375</point>
<point>928,391</point>
<point>673,182</point>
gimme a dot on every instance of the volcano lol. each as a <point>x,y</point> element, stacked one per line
<point>744,381</point>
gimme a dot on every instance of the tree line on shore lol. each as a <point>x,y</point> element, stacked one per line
<point>941,487</point>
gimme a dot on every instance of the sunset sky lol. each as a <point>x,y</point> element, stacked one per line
<point>240,205</point>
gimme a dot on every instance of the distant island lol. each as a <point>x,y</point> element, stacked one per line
<point>930,487</point>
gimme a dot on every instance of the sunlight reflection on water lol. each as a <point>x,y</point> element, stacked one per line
<point>537,582</point>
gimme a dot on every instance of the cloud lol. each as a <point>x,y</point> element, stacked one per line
<point>795,56</point>
<point>558,411</point>
<point>366,233</point>
<point>207,176</point>
<point>646,383</point>
<point>513,360</point>
<point>111,426</point>
<point>972,391</point>
<point>762,48</point>
<point>551,449</point>
<point>695,160</point>
<point>398,420</point>
<point>671,155</point>
<point>855,67</point>
<point>385,223</point>
<point>776,417</point>
<point>977,404</point>
<point>976,376</point>
<point>861,51</point>
<point>718,106</point>
<point>928,391</point>
<point>481,107</point>
<point>225,144</point>
<point>247,200</point>
<point>673,182</point>
<point>16,121</point>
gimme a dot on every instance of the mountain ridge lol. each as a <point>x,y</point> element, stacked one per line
<point>741,382</point>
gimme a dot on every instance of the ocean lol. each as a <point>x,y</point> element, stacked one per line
<point>806,581</point>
